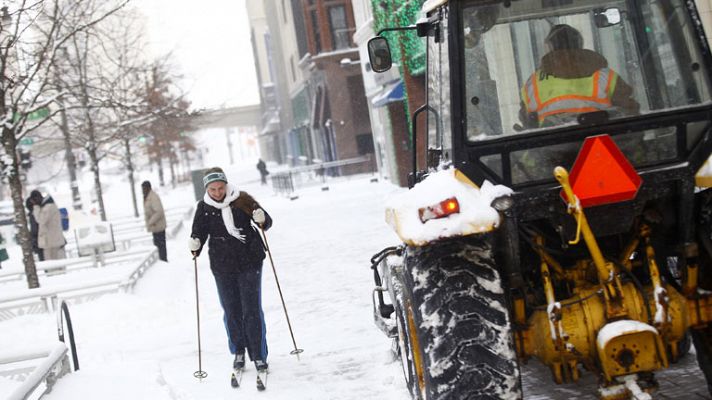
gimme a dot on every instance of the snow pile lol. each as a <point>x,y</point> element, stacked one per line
<point>706,170</point>
<point>619,328</point>
<point>476,214</point>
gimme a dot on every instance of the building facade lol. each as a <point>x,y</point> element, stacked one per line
<point>272,80</point>
<point>382,90</point>
<point>338,112</point>
<point>409,58</point>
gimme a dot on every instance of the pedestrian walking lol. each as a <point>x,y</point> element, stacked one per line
<point>155,218</point>
<point>223,219</point>
<point>34,229</point>
<point>262,167</point>
<point>49,226</point>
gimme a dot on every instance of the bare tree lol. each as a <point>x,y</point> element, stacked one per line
<point>91,81</point>
<point>124,39</point>
<point>30,34</point>
<point>169,130</point>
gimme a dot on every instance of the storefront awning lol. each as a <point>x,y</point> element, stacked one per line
<point>391,93</point>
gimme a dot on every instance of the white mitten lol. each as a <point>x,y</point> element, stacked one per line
<point>194,244</point>
<point>259,216</point>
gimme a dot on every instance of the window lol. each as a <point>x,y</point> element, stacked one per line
<point>284,11</point>
<point>439,92</point>
<point>650,48</point>
<point>340,32</point>
<point>314,17</point>
<point>291,66</point>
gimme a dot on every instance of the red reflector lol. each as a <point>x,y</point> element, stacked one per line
<point>440,210</point>
<point>602,174</point>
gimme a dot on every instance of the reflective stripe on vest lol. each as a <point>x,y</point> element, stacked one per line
<point>551,95</point>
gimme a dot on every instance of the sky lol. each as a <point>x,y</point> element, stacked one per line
<point>210,41</point>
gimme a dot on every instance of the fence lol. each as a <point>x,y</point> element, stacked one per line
<point>43,300</point>
<point>52,365</point>
<point>286,182</point>
<point>129,230</point>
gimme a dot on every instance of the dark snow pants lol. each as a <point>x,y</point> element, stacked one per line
<point>241,298</point>
<point>159,240</point>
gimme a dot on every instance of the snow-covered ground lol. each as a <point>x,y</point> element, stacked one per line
<point>144,345</point>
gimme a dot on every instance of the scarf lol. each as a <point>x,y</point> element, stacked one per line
<point>231,193</point>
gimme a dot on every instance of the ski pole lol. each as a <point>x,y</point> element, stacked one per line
<point>296,350</point>
<point>200,374</point>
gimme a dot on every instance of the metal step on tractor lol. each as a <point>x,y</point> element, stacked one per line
<point>564,212</point>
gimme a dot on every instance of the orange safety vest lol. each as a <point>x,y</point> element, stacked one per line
<point>547,95</point>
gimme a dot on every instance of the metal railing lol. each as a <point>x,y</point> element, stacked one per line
<point>53,365</point>
<point>287,182</point>
<point>43,300</point>
<point>39,380</point>
<point>63,311</point>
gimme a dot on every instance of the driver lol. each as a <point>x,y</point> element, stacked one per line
<point>572,80</point>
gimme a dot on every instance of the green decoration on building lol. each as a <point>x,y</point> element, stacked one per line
<point>395,13</point>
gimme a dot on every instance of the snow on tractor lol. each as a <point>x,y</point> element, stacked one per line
<point>564,211</point>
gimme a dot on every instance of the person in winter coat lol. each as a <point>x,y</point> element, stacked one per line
<point>34,229</point>
<point>224,220</point>
<point>155,218</point>
<point>570,81</point>
<point>49,226</point>
<point>262,167</point>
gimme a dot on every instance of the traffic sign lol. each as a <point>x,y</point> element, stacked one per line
<point>602,174</point>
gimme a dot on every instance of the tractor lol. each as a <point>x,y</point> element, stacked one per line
<point>558,214</point>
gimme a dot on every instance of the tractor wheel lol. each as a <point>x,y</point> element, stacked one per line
<point>405,345</point>
<point>702,338</point>
<point>458,311</point>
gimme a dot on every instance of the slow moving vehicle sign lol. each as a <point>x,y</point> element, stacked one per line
<point>602,174</point>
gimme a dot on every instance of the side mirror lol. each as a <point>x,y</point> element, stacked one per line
<point>605,17</point>
<point>379,54</point>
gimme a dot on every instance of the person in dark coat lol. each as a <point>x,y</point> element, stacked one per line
<point>224,220</point>
<point>34,229</point>
<point>262,167</point>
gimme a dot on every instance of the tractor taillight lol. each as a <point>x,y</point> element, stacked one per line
<point>440,210</point>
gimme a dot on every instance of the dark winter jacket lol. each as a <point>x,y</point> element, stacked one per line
<point>34,227</point>
<point>227,254</point>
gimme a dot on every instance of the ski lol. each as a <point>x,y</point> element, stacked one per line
<point>236,378</point>
<point>261,380</point>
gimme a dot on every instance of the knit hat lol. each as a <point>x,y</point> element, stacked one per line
<point>213,175</point>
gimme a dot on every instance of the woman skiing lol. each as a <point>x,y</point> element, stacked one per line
<point>236,252</point>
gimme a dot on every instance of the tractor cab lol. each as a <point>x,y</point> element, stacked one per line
<point>513,87</point>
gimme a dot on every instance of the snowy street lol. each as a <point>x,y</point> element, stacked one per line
<point>144,345</point>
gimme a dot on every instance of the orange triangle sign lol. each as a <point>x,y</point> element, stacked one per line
<point>602,174</point>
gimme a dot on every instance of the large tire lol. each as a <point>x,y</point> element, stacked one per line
<point>459,313</point>
<point>703,347</point>
<point>405,345</point>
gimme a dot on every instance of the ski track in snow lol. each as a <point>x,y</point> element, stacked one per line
<point>143,345</point>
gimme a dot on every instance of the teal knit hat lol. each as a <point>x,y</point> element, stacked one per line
<point>212,177</point>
